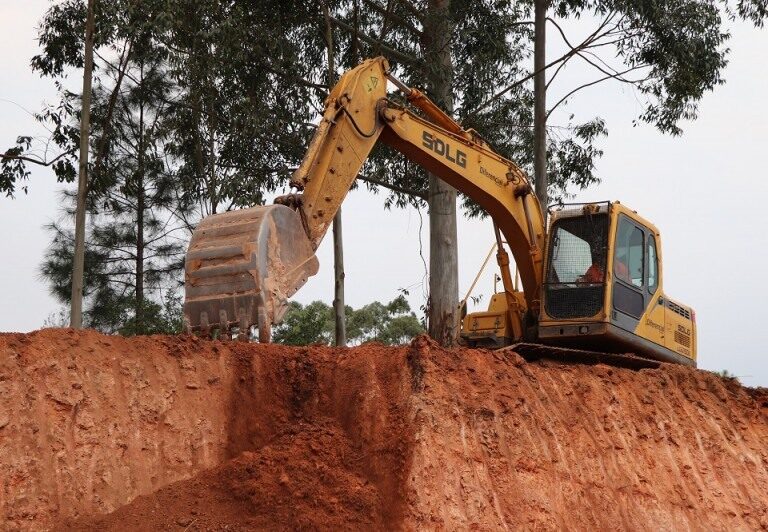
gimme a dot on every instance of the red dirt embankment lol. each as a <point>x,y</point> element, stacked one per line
<point>373,437</point>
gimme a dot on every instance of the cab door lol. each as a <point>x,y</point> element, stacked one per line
<point>638,303</point>
<point>653,326</point>
<point>630,297</point>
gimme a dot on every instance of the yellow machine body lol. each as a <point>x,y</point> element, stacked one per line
<point>622,308</point>
<point>241,268</point>
<point>491,328</point>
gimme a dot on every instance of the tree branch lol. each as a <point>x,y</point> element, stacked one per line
<point>390,16</point>
<point>5,156</point>
<point>405,58</point>
<point>557,71</point>
<point>583,51</point>
<point>298,80</point>
<point>107,127</point>
<point>609,70</point>
<point>585,85</point>
<point>573,51</point>
<point>413,10</point>
<point>394,188</point>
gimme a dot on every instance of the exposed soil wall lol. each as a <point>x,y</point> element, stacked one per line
<point>510,445</point>
<point>89,421</point>
<point>155,433</point>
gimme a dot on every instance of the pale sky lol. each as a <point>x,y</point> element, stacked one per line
<point>705,192</point>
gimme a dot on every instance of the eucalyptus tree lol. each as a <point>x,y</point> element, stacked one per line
<point>670,54</point>
<point>61,36</point>
<point>250,75</point>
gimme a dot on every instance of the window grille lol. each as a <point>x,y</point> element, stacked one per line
<point>575,281</point>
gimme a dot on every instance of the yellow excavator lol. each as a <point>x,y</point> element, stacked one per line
<point>592,282</point>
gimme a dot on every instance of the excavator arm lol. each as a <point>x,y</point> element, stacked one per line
<point>357,115</point>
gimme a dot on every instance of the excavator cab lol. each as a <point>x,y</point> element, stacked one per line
<point>602,291</point>
<point>574,285</point>
<point>603,286</point>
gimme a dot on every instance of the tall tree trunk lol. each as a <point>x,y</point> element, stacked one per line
<point>443,250</point>
<point>213,186</point>
<point>140,207</point>
<point>338,267</point>
<point>338,241</point>
<point>78,266</point>
<point>540,103</point>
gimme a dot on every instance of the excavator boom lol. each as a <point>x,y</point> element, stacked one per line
<point>232,280</point>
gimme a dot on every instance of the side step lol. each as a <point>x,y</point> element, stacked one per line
<point>579,356</point>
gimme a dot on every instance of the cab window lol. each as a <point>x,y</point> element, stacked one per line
<point>628,259</point>
<point>653,265</point>
<point>578,246</point>
<point>571,256</point>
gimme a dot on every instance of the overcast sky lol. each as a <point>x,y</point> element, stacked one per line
<point>705,191</point>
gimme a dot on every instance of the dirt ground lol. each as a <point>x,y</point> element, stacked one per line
<point>160,433</point>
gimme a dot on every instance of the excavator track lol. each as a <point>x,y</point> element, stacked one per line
<point>531,352</point>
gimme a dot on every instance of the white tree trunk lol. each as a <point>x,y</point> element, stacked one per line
<point>340,336</point>
<point>540,103</point>
<point>78,266</point>
<point>443,250</point>
<point>338,276</point>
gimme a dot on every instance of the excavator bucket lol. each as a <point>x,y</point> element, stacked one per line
<point>241,268</point>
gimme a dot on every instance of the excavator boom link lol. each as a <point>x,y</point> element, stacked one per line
<point>242,266</point>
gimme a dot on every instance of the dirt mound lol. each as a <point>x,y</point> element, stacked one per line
<point>88,422</point>
<point>269,437</point>
<point>307,479</point>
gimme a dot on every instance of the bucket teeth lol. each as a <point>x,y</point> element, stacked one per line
<point>242,319</point>
<point>205,326</point>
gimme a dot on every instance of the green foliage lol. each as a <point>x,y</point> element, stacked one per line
<point>392,323</point>
<point>488,43</point>
<point>244,73</point>
<point>248,79</point>
<point>111,303</point>
<point>683,48</point>
<point>674,51</point>
<point>203,106</point>
<point>242,92</point>
<point>724,373</point>
<point>132,254</point>
<point>166,317</point>
<point>119,25</point>
<point>305,325</point>
<point>60,120</point>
